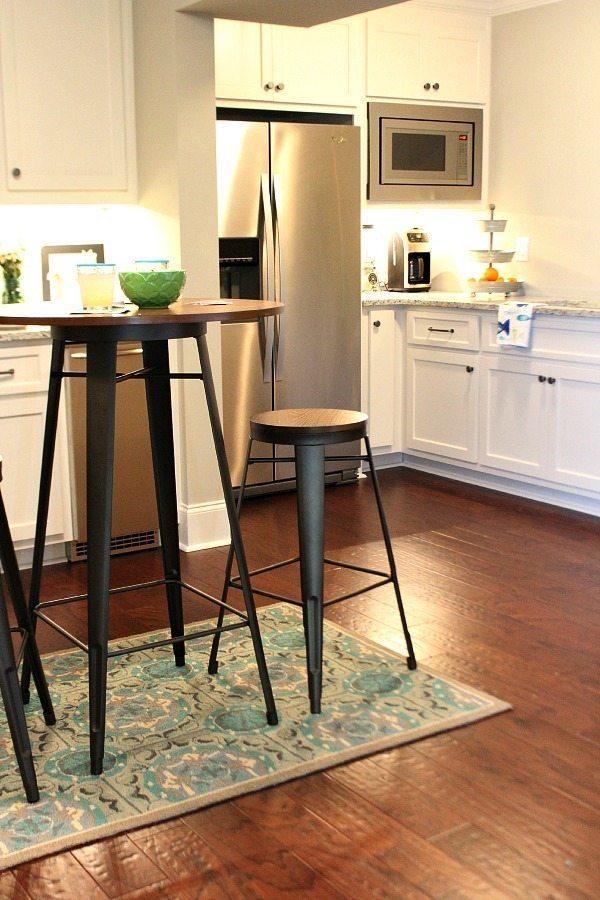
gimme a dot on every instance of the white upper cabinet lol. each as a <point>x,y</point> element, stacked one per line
<point>67,111</point>
<point>274,63</point>
<point>428,54</point>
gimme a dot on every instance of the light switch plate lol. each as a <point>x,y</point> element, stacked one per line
<point>522,249</point>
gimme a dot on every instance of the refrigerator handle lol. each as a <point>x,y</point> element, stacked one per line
<point>279,282</point>
<point>266,325</point>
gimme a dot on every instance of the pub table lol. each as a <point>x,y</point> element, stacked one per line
<point>101,332</point>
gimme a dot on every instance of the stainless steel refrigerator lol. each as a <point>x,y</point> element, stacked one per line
<point>289,229</point>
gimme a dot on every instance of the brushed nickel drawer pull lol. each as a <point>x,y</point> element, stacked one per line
<point>7,372</point>
<point>442,330</point>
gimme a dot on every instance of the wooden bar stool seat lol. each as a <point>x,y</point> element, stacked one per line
<point>9,663</point>
<point>309,431</point>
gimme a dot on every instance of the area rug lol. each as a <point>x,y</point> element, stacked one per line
<point>179,739</point>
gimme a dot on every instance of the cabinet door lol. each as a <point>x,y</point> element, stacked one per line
<point>238,61</point>
<point>513,416</point>
<point>574,394</point>
<point>426,54</point>
<point>22,428</point>
<point>67,95</point>
<point>459,59</point>
<point>382,377</point>
<point>396,53</point>
<point>314,65</point>
<point>441,403</point>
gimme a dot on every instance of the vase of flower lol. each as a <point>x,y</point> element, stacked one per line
<point>10,263</point>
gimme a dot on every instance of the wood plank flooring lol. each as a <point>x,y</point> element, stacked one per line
<point>501,593</point>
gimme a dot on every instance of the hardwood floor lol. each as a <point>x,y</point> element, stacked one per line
<point>501,593</point>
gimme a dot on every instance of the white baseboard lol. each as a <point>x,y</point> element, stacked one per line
<point>202,526</point>
<point>563,498</point>
<point>53,553</point>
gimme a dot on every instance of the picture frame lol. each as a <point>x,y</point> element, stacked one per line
<point>62,260</point>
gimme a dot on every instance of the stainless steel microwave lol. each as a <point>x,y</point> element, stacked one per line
<point>424,152</point>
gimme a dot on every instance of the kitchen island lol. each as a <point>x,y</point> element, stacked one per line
<point>443,397</point>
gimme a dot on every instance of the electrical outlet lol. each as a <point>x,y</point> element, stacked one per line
<point>522,249</point>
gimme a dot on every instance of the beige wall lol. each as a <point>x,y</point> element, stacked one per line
<point>545,141</point>
<point>175,120</point>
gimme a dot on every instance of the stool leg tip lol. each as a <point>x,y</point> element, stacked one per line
<point>272,718</point>
<point>411,662</point>
<point>50,718</point>
<point>213,668</point>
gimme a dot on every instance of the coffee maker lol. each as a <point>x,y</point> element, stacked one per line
<point>409,261</point>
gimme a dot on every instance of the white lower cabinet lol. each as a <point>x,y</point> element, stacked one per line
<point>382,375</point>
<point>542,419</point>
<point>513,413</point>
<point>532,415</point>
<point>442,388</point>
<point>23,393</point>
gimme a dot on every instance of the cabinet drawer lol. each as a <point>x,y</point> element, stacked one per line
<point>575,340</point>
<point>436,329</point>
<point>24,369</point>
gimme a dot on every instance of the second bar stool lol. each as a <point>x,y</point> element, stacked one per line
<point>308,431</point>
<point>9,679</point>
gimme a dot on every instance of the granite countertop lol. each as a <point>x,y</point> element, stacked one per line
<point>9,334</point>
<point>547,306</point>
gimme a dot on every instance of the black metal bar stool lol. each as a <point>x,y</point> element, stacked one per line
<point>309,431</point>
<point>9,680</point>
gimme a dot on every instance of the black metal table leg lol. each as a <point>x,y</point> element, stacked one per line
<point>236,537</point>
<point>13,704</point>
<point>160,420</point>
<point>101,371</point>
<point>310,475</point>
<point>48,446</point>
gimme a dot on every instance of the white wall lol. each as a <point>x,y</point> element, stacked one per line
<point>175,118</point>
<point>545,141</point>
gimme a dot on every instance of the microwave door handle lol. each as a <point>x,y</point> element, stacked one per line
<point>266,324</point>
<point>421,268</point>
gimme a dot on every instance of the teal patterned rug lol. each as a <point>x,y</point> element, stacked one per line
<point>179,739</point>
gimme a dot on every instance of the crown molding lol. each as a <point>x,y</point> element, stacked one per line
<point>505,6</point>
<point>490,7</point>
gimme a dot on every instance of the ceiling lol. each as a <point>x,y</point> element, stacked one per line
<point>302,13</point>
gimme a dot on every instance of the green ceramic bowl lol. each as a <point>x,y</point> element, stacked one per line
<point>152,289</point>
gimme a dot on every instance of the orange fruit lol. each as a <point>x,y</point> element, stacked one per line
<point>512,279</point>
<point>490,274</point>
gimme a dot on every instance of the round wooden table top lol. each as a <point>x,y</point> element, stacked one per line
<point>189,311</point>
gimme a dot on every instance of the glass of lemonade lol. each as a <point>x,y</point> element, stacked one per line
<point>96,284</point>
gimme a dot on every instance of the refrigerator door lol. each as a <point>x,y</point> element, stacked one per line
<point>316,192</point>
<point>242,179</point>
